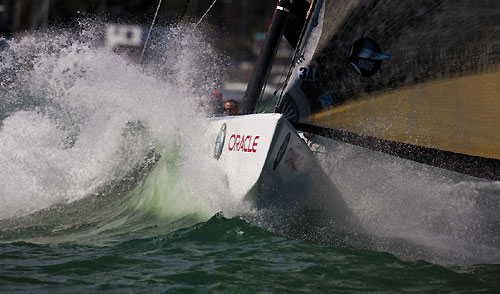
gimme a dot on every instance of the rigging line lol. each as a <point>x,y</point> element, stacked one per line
<point>268,105</point>
<point>297,49</point>
<point>201,19</point>
<point>280,86</point>
<point>150,30</point>
<point>206,12</point>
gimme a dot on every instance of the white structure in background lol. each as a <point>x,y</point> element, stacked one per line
<point>123,35</point>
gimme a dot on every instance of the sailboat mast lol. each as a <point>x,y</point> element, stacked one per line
<point>266,57</point>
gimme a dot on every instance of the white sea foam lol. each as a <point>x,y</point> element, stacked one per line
<point>415,211</point>
<point>66,103</point>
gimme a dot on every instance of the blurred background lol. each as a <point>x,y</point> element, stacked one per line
<point>237,26</point>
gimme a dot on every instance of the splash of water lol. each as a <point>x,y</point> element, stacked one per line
<point>75,116</point>
<point>415,211</point>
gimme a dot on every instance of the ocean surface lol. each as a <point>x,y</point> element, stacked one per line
<point>108,183</point>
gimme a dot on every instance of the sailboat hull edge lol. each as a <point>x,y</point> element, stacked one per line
<point>273,168</point>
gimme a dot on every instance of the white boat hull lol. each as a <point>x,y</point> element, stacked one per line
<point>268,164</point>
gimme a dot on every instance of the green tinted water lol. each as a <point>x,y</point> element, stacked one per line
<point>226,256</point>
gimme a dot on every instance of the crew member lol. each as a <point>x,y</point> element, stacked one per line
<point>231,107</point>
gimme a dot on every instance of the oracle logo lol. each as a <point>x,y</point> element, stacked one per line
<point>219,142</point>
<point>243,143</point>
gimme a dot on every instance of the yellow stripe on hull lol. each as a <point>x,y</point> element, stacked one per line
<point>461,115</point>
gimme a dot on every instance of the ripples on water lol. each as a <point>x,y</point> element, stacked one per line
<point>227,256</point>
<point>81,210</point>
